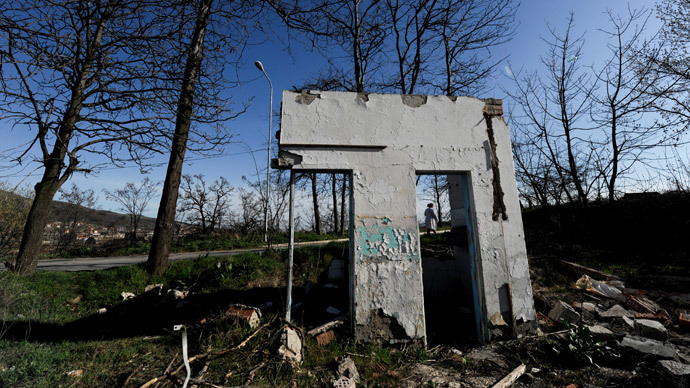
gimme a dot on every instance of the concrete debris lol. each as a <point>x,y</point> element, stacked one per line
<point>562,312</point>
<point>325,338</point>
<point>599,288</point>
<point>344,382</point>
<point>602,333</point>
<point>627,322</point>
<point>153,287</point>
<point>650,329</point>
<point>616,312</point>
<point>288,342</point>
<point>75,373</point>
<point>162,290</point>
<point>486,353</point>
<point>127,295</point>
<point>674,374</point>
<point>347,368</point>
<point>249,315</point>
<point>497,320</point>
<point>648,347</point>
<point>586,306</point>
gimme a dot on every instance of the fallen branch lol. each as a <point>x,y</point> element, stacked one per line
<point>511,377</point>
<point>204,355</point>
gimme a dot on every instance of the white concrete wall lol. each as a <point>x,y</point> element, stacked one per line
<point>341,131</point>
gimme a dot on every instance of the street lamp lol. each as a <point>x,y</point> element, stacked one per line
<point>260,66</point>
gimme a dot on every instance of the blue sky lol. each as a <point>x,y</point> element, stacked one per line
<point>289,69</point>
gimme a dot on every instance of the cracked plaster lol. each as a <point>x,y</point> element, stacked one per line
<point>414,134</point>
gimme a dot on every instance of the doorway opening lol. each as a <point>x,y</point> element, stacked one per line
<point>451,296</point>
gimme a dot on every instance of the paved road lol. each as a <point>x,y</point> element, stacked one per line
<point>96,263</point>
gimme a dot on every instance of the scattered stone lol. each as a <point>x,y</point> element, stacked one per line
<point>486,353</point>
<point>616,312</point>
<point>674,374</point>
<point>249,315</point>
<point>648,347</point>
<point>600,332</point>
<point>288,342</point>
<point>127,295</point>
<point>325,338</point>
<point>76,300</point>
<point>344,382</point>
<point>586,306</point>
<point>650,329</point>
<point>561,312</point>
<point>628,322</point>
<point>102,310</point>
<point>347,368</point>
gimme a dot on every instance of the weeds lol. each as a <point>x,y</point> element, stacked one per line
<point>579,346</point>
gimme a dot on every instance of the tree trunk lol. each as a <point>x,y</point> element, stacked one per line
<point>165,222</point>
<point>437,192</point>
<point>335,204</point>
<point>32,239</point>
<point>342,204</point>
<point>315,198</point>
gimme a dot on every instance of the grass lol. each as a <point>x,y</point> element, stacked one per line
<point>62,298</point>
<point>187,244</point>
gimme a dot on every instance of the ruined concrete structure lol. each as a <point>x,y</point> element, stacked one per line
<point>384,141</point>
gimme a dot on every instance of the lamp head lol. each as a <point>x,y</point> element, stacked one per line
<point>259,65</point>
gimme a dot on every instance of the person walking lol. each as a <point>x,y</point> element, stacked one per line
<point>430,219</point>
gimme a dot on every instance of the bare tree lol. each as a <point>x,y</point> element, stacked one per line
<point>413,44</point>
<point>198,80</point>
<point>631,93</point>
<point>468,29</point>
<point>554,109</point>
<point>133,200</point>
<point>202,204</point>
<point>251,210</point>
<point>78,202</point>
<point>78,76</point>
<point>348,30</point>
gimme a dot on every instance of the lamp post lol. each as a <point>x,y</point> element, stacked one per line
<point>260,66</point>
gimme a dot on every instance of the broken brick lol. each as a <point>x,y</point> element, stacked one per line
<point>250,315</point>
<point>684,320</point>
<point>325,338</point>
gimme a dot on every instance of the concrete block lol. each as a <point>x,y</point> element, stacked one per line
<point>561,312</point>
<point>616,312</point>
<point>648,347</point>
<point>602,333</point>
<point>650,329</point>
<point>673,374</point>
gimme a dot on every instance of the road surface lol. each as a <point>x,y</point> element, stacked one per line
<point>96,263</point>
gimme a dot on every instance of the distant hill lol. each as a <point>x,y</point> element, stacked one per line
<point>101,218</point>
<point>98,218</point>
